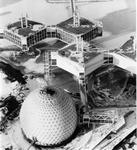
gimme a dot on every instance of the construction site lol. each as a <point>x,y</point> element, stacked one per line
<point>63,91</point>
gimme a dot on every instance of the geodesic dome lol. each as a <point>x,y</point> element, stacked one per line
<point>48,114</point>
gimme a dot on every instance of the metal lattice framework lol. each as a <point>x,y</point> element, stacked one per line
<point>100,116</point>
<point>82,80</point>
<point>48,114</point>
<point>47,65</point>
<point>76,17</point>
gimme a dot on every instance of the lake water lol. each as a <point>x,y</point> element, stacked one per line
<point>47,13</point>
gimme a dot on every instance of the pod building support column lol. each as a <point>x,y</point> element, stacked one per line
<point>82,77</point>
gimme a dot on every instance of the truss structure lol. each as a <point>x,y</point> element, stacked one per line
<point>47,65</point>
<point>100,116</point>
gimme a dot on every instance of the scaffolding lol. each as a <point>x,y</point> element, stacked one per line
<point>100,117</point>
<point>76,17</point>
<point>47,65</point>
<point>82,76</point>
<point>24,21</point>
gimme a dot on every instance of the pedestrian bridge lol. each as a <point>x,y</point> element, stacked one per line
<point>124,62</point>
<point>116,59</point>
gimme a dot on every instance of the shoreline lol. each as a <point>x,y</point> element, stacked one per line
<point>77,1</point>
<point>6,3</point>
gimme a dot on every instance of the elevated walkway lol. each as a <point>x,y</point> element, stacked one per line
<point>67,64</point>
<point>102,59</point>
<point>119,60</point>
<point>124,62</point>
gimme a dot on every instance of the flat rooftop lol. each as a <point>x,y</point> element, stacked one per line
<point>16,26</point>
<point>69,52</point>
<point>85,26</point>
<point>25,31</point>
